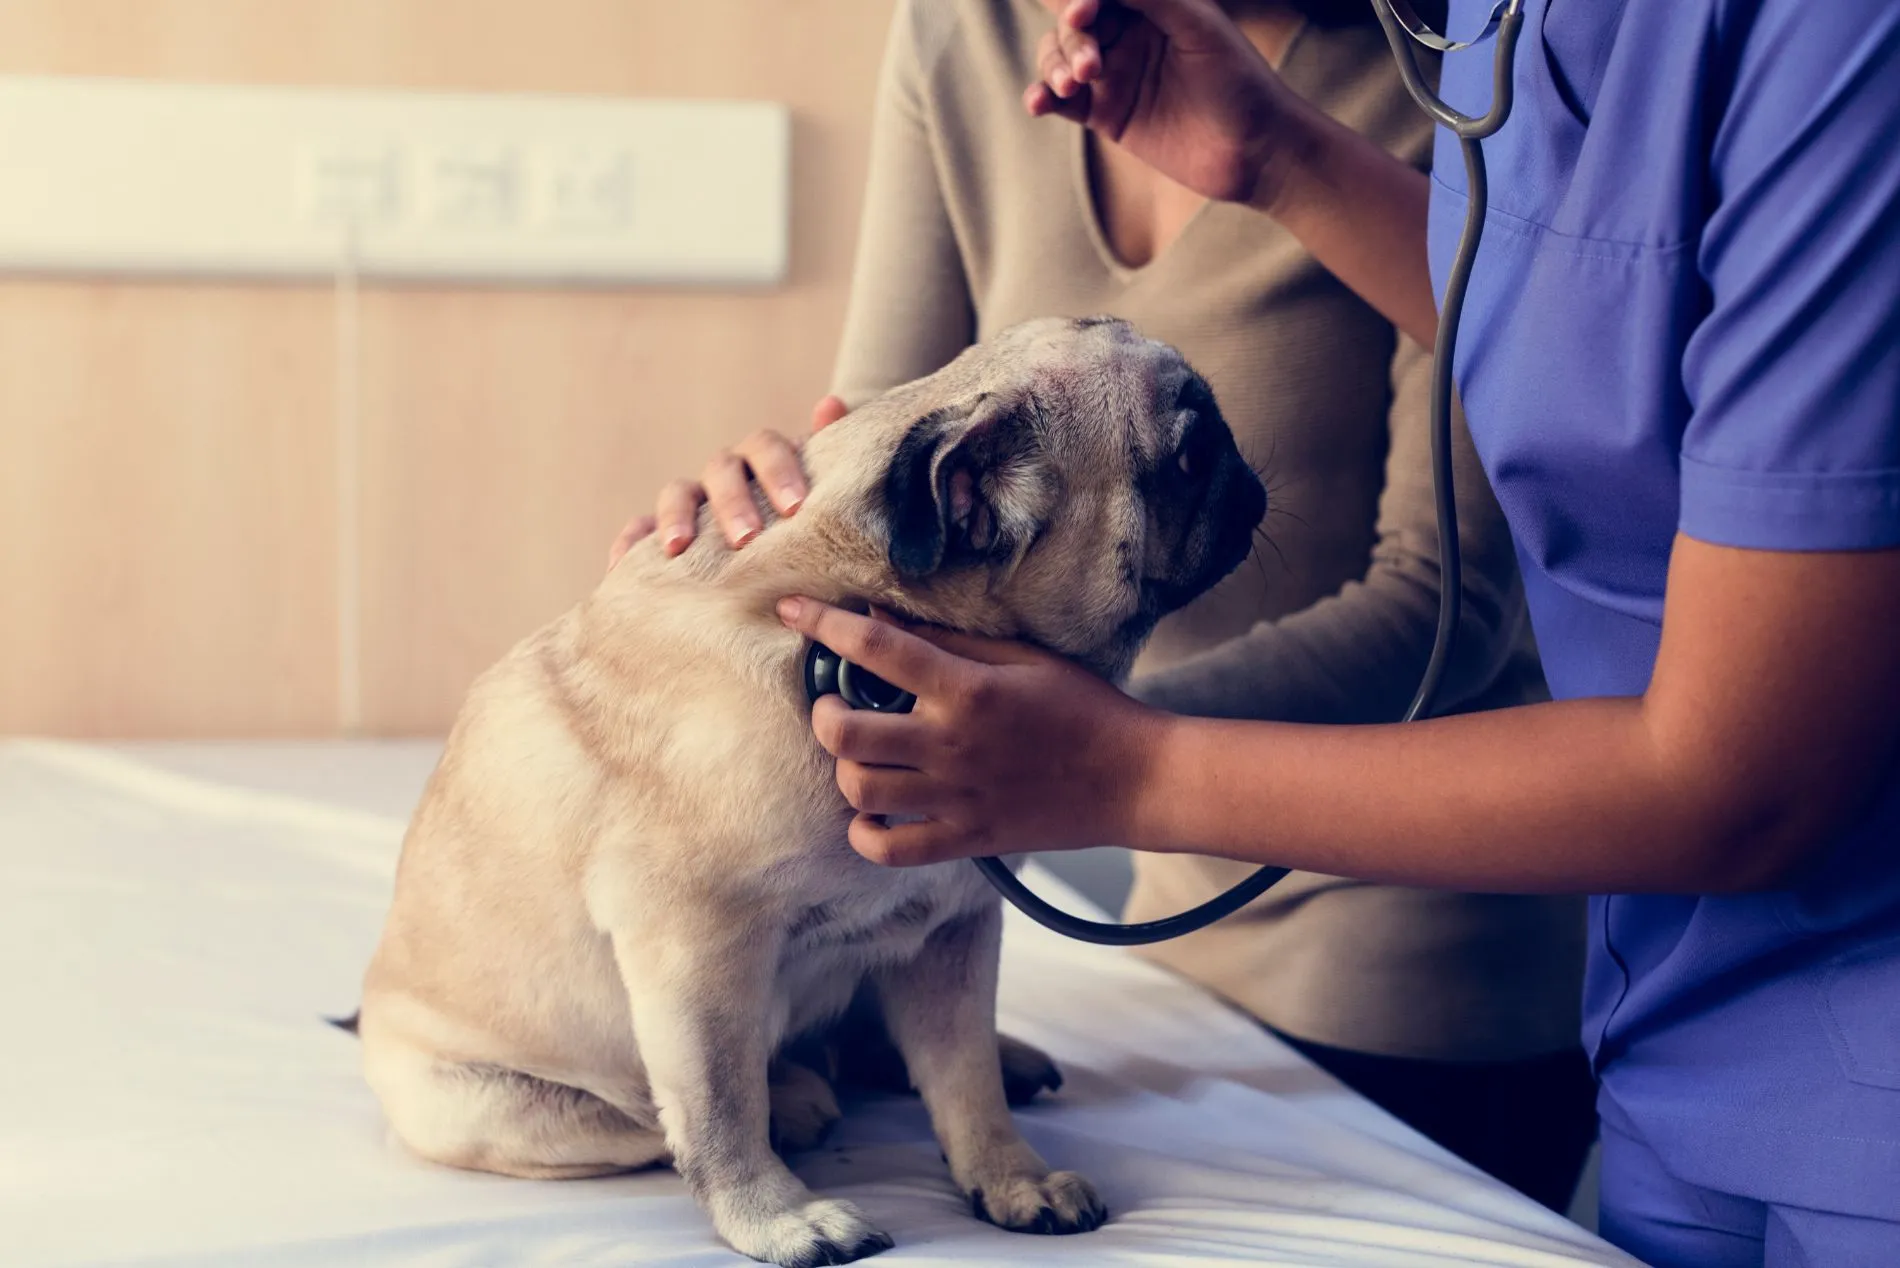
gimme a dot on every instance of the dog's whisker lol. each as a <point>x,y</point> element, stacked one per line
<point>1285,514</point>
<point>1266,539</point>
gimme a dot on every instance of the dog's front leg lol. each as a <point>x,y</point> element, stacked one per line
<point>941,1011</point>
<point>700,1001</point>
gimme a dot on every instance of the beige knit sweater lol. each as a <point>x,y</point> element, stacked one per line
<point>976,217</point>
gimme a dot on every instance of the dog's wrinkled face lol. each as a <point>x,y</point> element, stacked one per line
<point>1070,480</point>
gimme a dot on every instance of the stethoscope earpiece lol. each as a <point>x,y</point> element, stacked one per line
<point>828,674</point>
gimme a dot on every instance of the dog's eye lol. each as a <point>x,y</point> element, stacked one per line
<point>1195,459</point>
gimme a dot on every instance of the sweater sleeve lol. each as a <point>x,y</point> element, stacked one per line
<point>910,309</point>
<point>1357,655</point>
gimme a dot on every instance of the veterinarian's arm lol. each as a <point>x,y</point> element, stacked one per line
<point>1176,83</point>
<point>1768,724</point>
<point>1356,656</point>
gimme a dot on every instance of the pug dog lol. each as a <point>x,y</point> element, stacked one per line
<point>627,894</point>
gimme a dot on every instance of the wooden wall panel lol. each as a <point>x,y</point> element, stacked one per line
<point>166,512</point>
<point>508,441</point>
<point>506,433</point>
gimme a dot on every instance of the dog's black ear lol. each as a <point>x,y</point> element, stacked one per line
<point>942,485</point>
<point>910,494</point>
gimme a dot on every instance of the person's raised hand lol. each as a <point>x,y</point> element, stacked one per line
<point>765,457</point>
<point>1173,82</point>
<point>1008,748</point>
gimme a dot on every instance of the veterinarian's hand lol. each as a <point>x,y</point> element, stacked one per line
<point>765,457</point>
<point>1009,748</point>
<point>1173,82</point>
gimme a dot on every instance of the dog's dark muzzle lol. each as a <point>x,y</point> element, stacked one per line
<point>1220,543</point>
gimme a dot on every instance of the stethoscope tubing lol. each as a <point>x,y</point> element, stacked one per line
<point>1403,30</point>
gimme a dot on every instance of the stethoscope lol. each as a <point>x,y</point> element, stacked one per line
<point>826,673</point>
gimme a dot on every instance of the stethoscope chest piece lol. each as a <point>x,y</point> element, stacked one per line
<point>829,674</point>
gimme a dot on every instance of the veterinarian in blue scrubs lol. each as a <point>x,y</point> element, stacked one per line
<point>1680,362</point>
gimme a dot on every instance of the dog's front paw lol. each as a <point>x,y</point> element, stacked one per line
<point>824,1232</point>
<point>1027,1070</point>
<point>1060,1202</point>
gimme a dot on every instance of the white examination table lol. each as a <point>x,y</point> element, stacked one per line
<point>175,920</point>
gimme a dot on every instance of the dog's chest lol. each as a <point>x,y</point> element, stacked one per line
<point>842,932</point>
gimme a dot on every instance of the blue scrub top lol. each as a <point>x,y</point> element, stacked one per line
<point>1685,316</point>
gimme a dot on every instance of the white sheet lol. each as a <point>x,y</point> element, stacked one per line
<point>171,1097</point>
